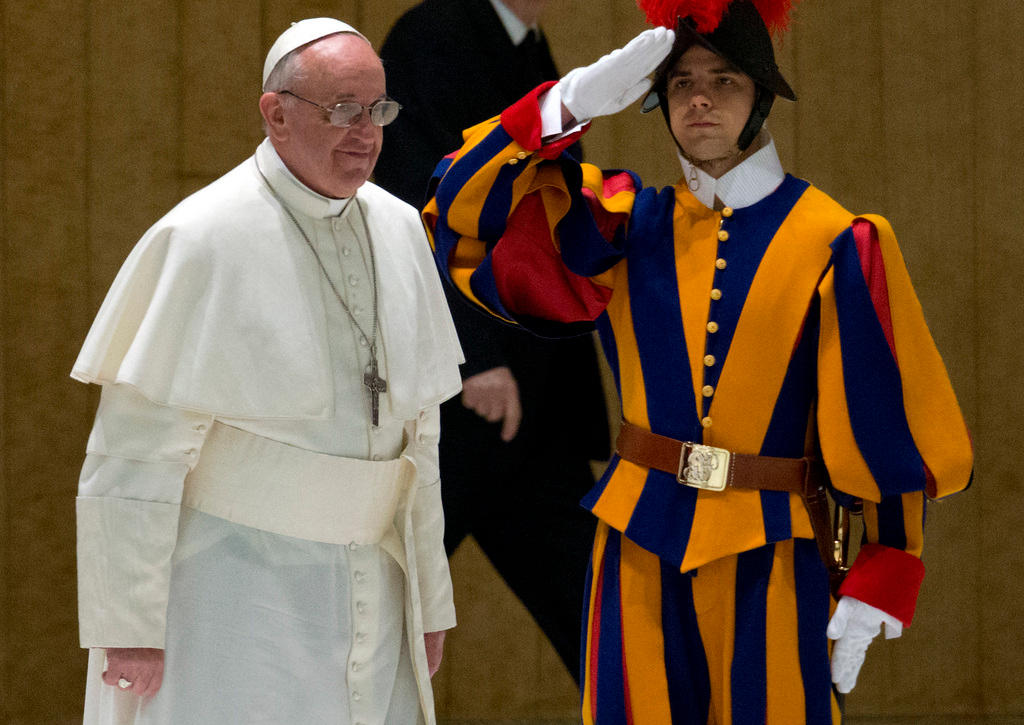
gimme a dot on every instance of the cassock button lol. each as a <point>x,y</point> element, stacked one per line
<point>361,607</point>
<point>345,251</point>
<point>712,326</point>
<point>720,263</point>
<point>356,697</point>
<point>723,235</point>
<point>708,391</point>
<point>360,637</point>
<point>709,360</point>
<point>521,155</point>
<point>513,161</point>
<point>356,667</point>
<point>358,310</point>
<point>353,280</point>
<point>201,428</point>
<point>360,577</point>
<point>716,294</point>
<point>706,422</point>
<point>727,211</point>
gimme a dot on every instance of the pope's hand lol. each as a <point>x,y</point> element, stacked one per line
<point>618,79</point>
<point>853,626</point>
<point>494,396</point>
<point>139,670</point>
<point>434,642</point>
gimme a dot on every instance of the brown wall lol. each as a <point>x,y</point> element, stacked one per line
<point>112,111</point>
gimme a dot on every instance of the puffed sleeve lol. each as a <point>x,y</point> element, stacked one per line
<point>128,501</point>
<point>890,427</point>
<point>522,229</point>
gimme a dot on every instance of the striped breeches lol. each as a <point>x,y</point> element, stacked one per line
<point>739,641</point>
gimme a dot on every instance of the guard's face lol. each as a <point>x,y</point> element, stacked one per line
<point>331,160</point>
<point>709,101</point>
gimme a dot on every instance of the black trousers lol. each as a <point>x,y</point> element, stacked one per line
<point>520,501</point>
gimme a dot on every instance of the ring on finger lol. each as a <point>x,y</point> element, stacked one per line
<point>124,683</point>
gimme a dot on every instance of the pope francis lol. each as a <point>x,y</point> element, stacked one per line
<point>259,517</point>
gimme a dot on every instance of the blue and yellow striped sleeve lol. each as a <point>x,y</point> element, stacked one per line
<point>502,206</point>
<point>890,428</point>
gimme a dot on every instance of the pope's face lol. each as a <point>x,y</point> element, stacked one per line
<point>709,101</point>
<point>332,161</point>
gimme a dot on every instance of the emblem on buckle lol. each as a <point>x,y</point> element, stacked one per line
<point>704,467</point>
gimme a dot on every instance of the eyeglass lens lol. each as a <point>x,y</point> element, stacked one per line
<point>381,113</point>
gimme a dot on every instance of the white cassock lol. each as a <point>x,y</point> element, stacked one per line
<point>236,506</point>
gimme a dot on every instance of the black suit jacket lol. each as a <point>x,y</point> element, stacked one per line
<point>451,65</point>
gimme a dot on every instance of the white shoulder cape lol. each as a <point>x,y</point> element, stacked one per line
<point>218,309</point>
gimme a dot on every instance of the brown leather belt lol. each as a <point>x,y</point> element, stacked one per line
<point>713,469</point>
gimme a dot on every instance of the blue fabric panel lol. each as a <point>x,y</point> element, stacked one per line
<point>749,669</point>
<point>611,695</point>
<point>663,516</point>
<point>686,669</point>
<point>812,597</point>
<point>891,529</point>
<point>874,392</point>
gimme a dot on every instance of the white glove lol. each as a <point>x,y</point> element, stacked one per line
<point>618,79</point>
<point>853,626</point>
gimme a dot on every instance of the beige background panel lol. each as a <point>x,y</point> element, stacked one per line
<point>110,112</point>
<point>996,234</point>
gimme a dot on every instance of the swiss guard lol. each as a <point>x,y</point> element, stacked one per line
<point>770,354</point>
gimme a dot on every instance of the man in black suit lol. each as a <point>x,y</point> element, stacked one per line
<point>516,446</point>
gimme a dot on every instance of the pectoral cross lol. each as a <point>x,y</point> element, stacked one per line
<point>376,385</point>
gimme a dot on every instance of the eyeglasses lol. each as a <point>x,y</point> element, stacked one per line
<point>382,111</point>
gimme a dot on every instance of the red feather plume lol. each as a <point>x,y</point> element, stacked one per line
<point>707,14</point>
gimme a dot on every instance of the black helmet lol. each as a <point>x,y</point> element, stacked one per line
<point>742,38</point>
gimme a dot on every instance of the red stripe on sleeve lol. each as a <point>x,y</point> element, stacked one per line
<point>866,237</point>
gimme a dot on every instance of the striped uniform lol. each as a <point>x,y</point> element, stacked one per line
<point>786,328</point>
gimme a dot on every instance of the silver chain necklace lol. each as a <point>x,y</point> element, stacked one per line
<point>371,377</point>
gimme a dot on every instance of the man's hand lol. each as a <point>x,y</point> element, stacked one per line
<point>434,642</point>
<point>618,79</point>
<point>494,395</point>
<point>853,626</point>
<point>142,667</point>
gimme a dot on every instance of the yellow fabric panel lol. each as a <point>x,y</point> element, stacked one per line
<point>785,696</point>
<point>846,465</point>
<point>596,557</point>
<point>631,381</point>
<point>696,246</point>
<point>913,522</point>
<point>729,521</point>
<point>640,584</point>
<point>933,413</point>
<point>714,600</point>
<point>768,328</point>
<point>617,501</point>
<point>800,520</point>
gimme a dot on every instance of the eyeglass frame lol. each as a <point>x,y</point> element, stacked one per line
<point>367,109</point>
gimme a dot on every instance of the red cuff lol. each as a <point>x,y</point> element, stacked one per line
<point>886,578</point>
<point>523,123</point>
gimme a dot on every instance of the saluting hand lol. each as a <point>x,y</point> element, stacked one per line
<point>618,79</point>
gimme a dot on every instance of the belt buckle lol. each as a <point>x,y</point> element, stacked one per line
<point>703,467</point>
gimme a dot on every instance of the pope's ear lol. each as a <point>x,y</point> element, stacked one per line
<point>272,110</point>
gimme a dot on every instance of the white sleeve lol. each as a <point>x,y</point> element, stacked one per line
<point>551,116</point>
<point>435,582</point>
<point>129,493</point>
